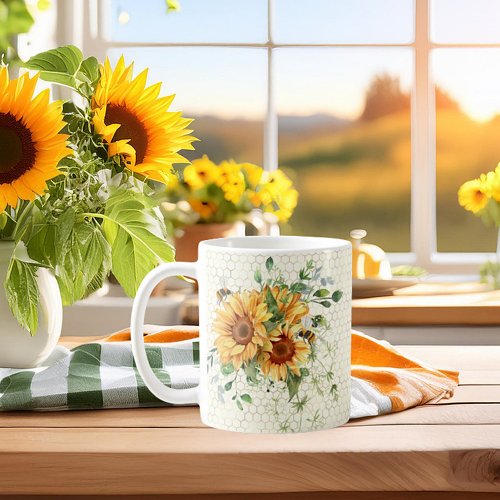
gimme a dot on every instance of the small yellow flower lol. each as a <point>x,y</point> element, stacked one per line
<point>287,353</point>
<point>204,208</point>
<point>231,181</point>
<point>200,173</point>
<point>286,205</point>
<point>494,184</point>
<point>473,196</point>
<point>253,174</point>
<point>239,324</point>
<point>278,195</point>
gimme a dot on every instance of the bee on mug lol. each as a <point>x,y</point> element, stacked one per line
<point>223,294</point>
<point>307,335</point>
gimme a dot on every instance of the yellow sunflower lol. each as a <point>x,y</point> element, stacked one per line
<point>289,304</point>
<point>473,196</point>
<point>231,181</point>
<point>136,123</point>
<point>201,172</point>
<point>240,329</point>
<point>287,353</point>
<point>30,143</point>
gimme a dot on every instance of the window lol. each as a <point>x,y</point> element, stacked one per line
<point>379,109</point>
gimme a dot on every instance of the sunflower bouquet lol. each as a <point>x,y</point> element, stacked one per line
<point>228,191</point>
<point>481,196</point>
<point>76,180</point>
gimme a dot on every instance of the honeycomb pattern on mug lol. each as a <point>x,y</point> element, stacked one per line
<point>278,353</point>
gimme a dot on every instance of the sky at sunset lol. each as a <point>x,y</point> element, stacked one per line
<point>231,82</point>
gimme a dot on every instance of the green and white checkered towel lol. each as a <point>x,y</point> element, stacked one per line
<point>103,375</point>
<point>98,375</point>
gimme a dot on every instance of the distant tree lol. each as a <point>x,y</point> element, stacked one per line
<point>445,101</point>
<point>384,97</point>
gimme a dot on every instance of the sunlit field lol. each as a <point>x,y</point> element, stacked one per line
<point>356,174</point>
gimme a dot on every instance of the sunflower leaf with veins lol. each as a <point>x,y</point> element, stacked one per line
<point>66,66</point>
<point>135,233</point>
<point>23,294</point>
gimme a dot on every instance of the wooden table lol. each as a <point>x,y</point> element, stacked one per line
<point>452,446</point>
<point>430,304</point>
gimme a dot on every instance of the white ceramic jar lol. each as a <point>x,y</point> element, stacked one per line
<point>18,349</point>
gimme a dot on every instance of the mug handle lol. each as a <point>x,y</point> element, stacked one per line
<point>167,394</point>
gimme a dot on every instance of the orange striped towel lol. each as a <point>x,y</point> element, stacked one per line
<point>383,380</point>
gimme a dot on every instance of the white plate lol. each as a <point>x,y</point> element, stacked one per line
<point>372,287</point>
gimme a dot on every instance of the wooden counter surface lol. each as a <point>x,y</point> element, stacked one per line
<point>452,446</point>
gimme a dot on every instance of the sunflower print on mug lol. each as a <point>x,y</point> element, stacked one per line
<point>268,336</point>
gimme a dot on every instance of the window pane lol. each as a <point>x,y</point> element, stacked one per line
<point>197,21</point>
<point>467,134</point>
<point>223,89</point>
<point>339,21</point>
<point>344,134</point>
<point>465,21</point>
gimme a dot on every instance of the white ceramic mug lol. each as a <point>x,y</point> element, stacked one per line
<point>275,333</point>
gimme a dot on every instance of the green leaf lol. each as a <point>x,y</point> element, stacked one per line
<point>136,235</point>
<point>323,292</point>
<point>22,294</point>
<point>42,244</point>
<point>258,276</point>
<point>65,225</point>
<point>239,405</point>
<point>88,75</point>
<point>269,263</point>
<point>337,295</point>
<point>271,303</point>
<point>85,262</point>
<point>298,287</point>
<point>325,303</point>
<point>247,398</point>
<point>18,19</point>
<point>228,386</point>
<point>227,369</point>
<point>89,70</point>
<point>293,384</point>
<point>66,66</point>
<point>251,371</point>
<point>59,65</point>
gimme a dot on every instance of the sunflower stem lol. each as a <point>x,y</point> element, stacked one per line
<point>24,213</point>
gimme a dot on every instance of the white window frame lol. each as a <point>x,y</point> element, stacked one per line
<point>82,22</point>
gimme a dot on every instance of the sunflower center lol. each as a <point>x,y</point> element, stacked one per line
<point>283,350</point>
<point>130,128</point>
<point>242,331</point>
<point>17,151</point>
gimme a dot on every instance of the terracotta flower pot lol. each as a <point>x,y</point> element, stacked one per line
<point>186,245</point>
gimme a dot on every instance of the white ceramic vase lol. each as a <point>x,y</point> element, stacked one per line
<point>18,349</point>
